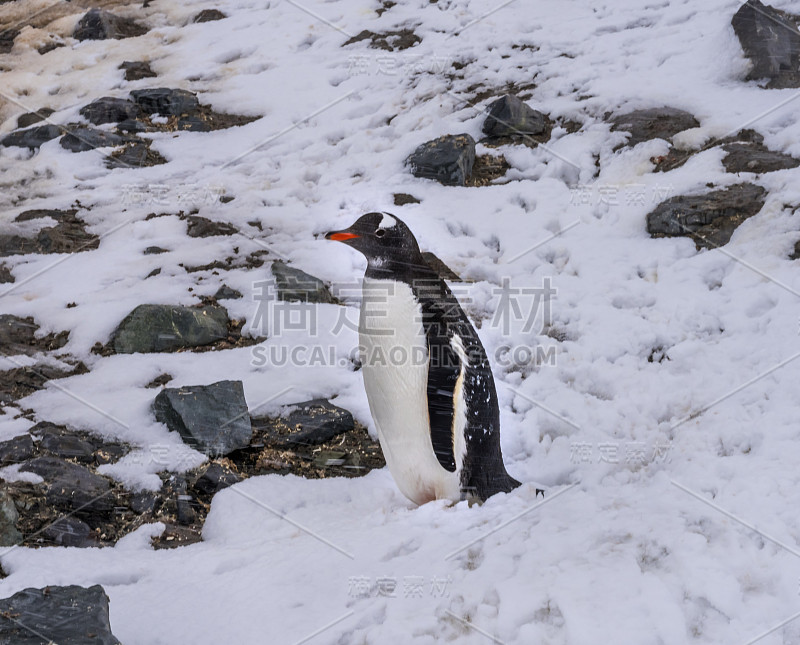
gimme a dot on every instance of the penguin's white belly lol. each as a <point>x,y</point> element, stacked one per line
<point>395,368</point>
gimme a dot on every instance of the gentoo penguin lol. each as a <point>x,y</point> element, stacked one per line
<point>429,384</point>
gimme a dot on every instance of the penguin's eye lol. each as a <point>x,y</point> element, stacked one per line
<point>380,232</point>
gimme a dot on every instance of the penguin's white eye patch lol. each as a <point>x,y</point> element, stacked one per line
<point>388,221</point>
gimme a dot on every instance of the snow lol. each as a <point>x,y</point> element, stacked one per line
<point>646,551</point>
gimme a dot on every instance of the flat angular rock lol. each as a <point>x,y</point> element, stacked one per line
<point>388,40</point>
<point>207,15</point>
<point>166,101</point>
<point>83,139</point>
<point>448,159</point>
<point>710,219</point>
<point>7,40</point>
<point>510,117</point>
<point>109,110</point>
<point>308,423</point>
<point>101,25</point>
<point>65,615</point>
<point>66,446</point>
<point>28,119</point>
<point>294,285</point>
<point>138,154</point>
<point>32,137</point>
<point>227,293</point>
<point>137,70</point>
<point>214,478</point>
<point>9,535</point>
<point>204,227</point>
<point>16,450</point>
<point>211,418</point>
<point>654,123</point>
<point>71,487</point>
<point>163,328</point>
<point>772,43</point>
<point>70,531</point>
<point>754,157</point>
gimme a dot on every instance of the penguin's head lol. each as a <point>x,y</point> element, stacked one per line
<point>381,237</point>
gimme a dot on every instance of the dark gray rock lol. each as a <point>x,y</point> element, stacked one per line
<point>7,40</point>
<point>68,236</point>
<point>70,531</point>
<point>9,534</point>
<point>16,450</point>
<point>66,446</point>
<point>401,199</point>
<point>754,157</point>
<point>207,15</point>
<point>57,214</point>
<point>163,328</point>
<point>227,293</point>
<point>448,159</point>
<point>65,615</point>
<point>388,40</point>
<point>110,110</point>
<point>82,139</point>
<point>17,334</point>
<point>211,418</point>
<point>214,478</point>
<point>32,137</point>
<point>144,502</point>
<point>204,227</point>
<point>5,274</point>
<point>166,101</point>
<point>772,43</point>
<point>309,423</point>
<point>137,70</point>
<point>155,250</point>
<point>70,487</point>
<point>654,123</point>
<point>135,155</point>
<point>509,117</point>
<point>710,219</point>
<point>294,285</point>
<point>101,25</point>
<point>28,119</point>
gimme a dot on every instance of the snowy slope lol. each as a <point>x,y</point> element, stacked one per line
<point>647,550</point>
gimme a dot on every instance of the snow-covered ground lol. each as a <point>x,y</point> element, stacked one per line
<point>658,472</point>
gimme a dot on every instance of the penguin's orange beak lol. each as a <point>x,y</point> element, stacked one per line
<point>341,236</point>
